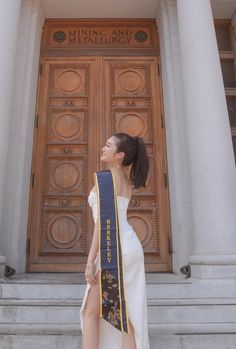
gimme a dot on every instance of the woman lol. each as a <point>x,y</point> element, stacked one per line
<point>120,151</point>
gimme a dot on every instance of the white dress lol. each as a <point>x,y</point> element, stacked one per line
<point>134,282</point>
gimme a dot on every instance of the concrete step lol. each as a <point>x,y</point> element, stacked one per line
<point>160,311</point>
<point>190,341</point>
<point>197,289</point>
<point>40,342</point>
<point>73,329</point>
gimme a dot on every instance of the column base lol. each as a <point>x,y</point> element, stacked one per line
<point>213,266</point>
<point>3,260</point>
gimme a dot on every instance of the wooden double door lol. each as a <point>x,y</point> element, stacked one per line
<point>81,102</point>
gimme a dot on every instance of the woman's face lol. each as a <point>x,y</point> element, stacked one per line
<point>109,153</point>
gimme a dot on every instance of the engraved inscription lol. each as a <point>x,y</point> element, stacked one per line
<point>99,34</point>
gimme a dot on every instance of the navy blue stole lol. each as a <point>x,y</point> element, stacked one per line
<point>113,306</point>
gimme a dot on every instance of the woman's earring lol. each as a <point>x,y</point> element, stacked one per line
<point>117,165</point>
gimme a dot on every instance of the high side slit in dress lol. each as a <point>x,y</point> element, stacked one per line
<point>134,282</point>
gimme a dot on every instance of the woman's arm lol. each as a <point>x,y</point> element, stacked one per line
<point>94,245</point>
<point>90,267</point>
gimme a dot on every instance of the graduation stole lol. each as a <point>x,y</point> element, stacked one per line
<point>113,307</point>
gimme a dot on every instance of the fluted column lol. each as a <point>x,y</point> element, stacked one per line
<point>9,20</point>
<point>212,166</point>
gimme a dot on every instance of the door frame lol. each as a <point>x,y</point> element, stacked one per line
<point>104,53</point>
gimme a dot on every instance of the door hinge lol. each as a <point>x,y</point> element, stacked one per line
<point>28,245</point>
<point>42,28</point>
<point>32,180</point>
<point>40,69</point>
<point>165,180</point>
<point>162,121</point>
<point>36,120</point>
<point>170,249</point>
<point>159,69</point>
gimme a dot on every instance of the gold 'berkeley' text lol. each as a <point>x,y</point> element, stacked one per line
<point>108,237</point>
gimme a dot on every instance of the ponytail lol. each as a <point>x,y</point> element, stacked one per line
<point>140,166</point>
<point>135,154</point>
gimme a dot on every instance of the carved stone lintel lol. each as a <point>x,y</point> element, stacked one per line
<point>76,34</point>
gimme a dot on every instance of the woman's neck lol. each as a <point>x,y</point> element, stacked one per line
<point>118,171</point>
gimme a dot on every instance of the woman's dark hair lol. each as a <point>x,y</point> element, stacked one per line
<point>135,154</point>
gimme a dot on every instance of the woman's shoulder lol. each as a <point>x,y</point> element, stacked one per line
<point>92,197</point>
<point>94,188</point>
<point>128,187</point>
<point>92,193</point>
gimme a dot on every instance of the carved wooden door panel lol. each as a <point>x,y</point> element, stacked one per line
<point>64,144</point>
<point>132,95</point>
<point>81,102</point>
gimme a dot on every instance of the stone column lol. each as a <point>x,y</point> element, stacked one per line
<point>212,166</point>
<point>9,21</point>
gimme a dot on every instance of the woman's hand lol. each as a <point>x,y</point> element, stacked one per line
<point>89,274</point>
